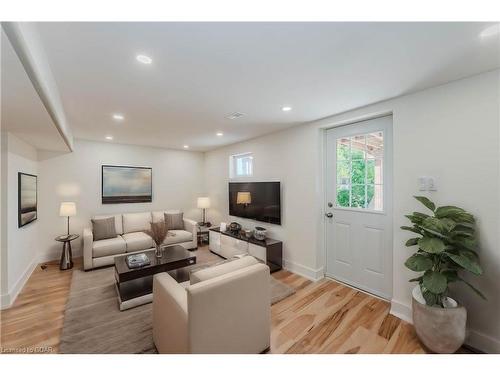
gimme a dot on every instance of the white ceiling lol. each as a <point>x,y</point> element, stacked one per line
<point>203,72</point>
<point>22,111</point>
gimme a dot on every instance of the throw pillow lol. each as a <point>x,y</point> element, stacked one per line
<point>103,228</point>
<point>174,221</point>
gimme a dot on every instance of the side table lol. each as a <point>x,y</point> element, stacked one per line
<point>202,231</point>
<point>66,255</point>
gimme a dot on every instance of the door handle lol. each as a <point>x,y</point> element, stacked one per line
<point>329,215</point>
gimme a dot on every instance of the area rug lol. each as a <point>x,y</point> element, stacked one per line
<point>93,322</point>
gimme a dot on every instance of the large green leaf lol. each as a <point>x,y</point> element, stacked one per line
<point>431,245</point>
<point>417,217</point>
<point>435,282</point>
<point>448,211</point>
<point>461,228</point>
<point>412,241</point>
<point>411,229</point>
<point>457,214</point>
<point>426,202</point>
<point>466,260</point>
<point>430,298</point>
<point>448,224</point>
<point>451,275</point>
<point>418,263</point>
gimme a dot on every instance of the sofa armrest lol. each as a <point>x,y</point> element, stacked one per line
<point>228,307</point>
<point>192,227</point>
<point>170,315</point>
<point>88,240</point>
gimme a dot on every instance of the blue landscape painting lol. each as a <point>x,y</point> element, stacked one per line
<point>126,184</point>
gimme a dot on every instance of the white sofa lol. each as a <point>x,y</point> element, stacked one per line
<point>131,238</point>
<point>225,309</point>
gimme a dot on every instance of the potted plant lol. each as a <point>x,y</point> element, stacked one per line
<point>158,232</point>
<point>446,246</point>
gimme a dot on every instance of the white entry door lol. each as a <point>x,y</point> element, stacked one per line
<point>358,210</point>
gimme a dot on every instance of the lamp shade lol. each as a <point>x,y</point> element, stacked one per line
<point>244,197</point>
<point>67,209</point>
<point>203,202</point>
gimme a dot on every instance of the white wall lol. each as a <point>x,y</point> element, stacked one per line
<point>450,132</point>
<point>20,254</point>
<point>291,158</point>
<point>76,176</point>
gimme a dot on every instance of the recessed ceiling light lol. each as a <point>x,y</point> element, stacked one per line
<point>185,146</point>
<point>220,134</point>
<point>118,117</point>
<point>286,109</point>
<point>235,115</point>
<point>144,59</point>
<point>109,138</point>
<point>490,31</point>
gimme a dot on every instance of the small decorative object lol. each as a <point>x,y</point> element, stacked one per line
<point>27,198</point>
<point>137,260</point>
<point>447,247</point>
<point>248,233</point>
<point>67,209</point>
<point>158,232</point>
<point>223,227</point>
<point>260,233</point>
<point>203,203</point>
<point>126,184</point>
<point>234,227</point>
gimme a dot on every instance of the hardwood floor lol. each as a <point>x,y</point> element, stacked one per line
<point>329,317</point>
<point>321,317</point>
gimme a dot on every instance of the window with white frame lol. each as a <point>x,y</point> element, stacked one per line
<point>241,165</point>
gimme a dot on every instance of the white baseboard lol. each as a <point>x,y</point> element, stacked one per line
<point>401,310</point>
<point>7,300</point>
<point>483,342</point>
<point>299,269</point>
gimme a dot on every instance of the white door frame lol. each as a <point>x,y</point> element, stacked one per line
<point>322,192</point>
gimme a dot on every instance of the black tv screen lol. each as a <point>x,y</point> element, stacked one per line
<point>256,200</point>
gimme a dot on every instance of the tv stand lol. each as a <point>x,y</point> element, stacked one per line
<point>228,244</point>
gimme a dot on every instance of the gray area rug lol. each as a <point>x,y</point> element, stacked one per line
<point>93,323</point>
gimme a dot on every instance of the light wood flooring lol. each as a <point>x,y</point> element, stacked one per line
<point>321,317</point>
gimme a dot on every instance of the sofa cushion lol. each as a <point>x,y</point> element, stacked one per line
<point>174,221</point>
<point>110,246</point>
<point>103,228</point>
<point>160,215</point>
<point>136,222</point>
<point>137,241</point>
<point>178,236</point>
<point>222,269</point>
<point>118,221</point>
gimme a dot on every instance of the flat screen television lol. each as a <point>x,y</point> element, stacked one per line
<point>259,201</point>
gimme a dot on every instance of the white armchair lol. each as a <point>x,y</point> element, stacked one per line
<point>227,311</point>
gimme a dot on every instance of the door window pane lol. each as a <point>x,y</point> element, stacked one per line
<point>360,171</point>
<point>343,195</point>
<point>358,196</point>
<point>374,171</point>
<point>375,145</point>
<point>343,173</point>
<point>343,148</point>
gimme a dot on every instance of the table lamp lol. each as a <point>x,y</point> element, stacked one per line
<point>67,209</point>
<point>203,203</point>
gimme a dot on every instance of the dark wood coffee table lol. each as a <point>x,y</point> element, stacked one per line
<point>135,285</point>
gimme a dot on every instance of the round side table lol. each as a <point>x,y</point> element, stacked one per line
<point>66,256</point>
